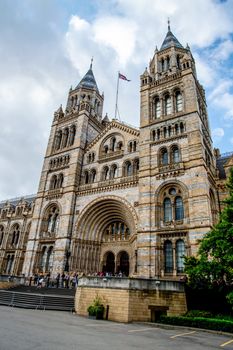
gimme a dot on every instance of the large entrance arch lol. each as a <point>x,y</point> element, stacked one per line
<point>105,227</point>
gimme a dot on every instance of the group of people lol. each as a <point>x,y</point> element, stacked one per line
<point>65,279</point>
<point>62,280</point>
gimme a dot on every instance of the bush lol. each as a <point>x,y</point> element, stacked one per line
<point>198,313</point>
<point>199,322</point>
<point>96,308</point>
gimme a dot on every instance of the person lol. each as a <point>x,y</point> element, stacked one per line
<point>57,280</point>
<point>40,281</point>
<point>62,279</point>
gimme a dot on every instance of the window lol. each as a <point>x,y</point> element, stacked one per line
<point>72,135</point>
<point>60,181</point>
<point>164,157</point>
<point>105,173</point>
<point>65,137</point>
<point>52,220</point>
<point>175,155</point>
<point>128,169</point>
<point>113,171</point>
<point>173,206</point>
<point>86,177</point>
<point>180,252</point>
<point>93,176</point>
<point>179,102</point>
<point>167,210</point>
<point>53,182</point>
<point>168,105</point>
<point>157,108</point>
<point>58,140</point>
<point>179,208</point>
<point>168,257</point>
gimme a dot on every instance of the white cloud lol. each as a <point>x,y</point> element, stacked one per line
<point>218,132</point>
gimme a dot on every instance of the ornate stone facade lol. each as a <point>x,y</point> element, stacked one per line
<point>119,199</point>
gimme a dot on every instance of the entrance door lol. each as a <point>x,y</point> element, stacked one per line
<point>124,264</point>
<point>110,263</point>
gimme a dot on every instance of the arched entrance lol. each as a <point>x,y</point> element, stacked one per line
<point>110,263</point>
<point>123,266</point>
<point>104,227</point>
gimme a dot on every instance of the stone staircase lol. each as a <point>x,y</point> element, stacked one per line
<point>59,299</point>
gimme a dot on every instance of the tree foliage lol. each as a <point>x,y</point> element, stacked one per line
<point>213,266</point>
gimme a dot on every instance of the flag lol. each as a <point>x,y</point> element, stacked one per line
<point>123,77</point>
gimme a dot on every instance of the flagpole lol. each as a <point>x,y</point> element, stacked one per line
<point>117,94</point>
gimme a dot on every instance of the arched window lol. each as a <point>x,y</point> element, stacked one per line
<point>136,166</point>
<point>157,108</point>
<point>72,135</point>
<point>134,146</point>
<point>58,140</point>
<point>113,173</point>
<point>93,176</point>
<point>180,252</point>
<point>153,135</point>
<point>179,208</point>
<point>128,169</point>
<point>162,65</point>
<point>168,105</point>
<point>86,177</point>
<point>167,210</point>
<point>175,155</point>
<point>52,220</point>
<point>105,173</point>
<point>60,180</point>
<point>65,137</point>
<point>181,128</point>
<point>164,156</point>
<point>53,182</point>
<point>179,102</point>
<point>119,145</point>
<point>168,257</point>
<point>106,149</point>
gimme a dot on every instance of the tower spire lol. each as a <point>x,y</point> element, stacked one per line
<point>168,24</point>
<point>91,62</point>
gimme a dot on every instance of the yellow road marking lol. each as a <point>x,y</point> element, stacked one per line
<point>181,335</point>
<point>140,330</point>
<point>228,342</point>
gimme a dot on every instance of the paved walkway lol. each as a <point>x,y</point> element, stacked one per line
<point>24,329</point>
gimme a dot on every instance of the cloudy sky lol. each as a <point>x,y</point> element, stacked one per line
<point>46,46</point>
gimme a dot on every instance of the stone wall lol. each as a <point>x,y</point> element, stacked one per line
<point>131,299</point>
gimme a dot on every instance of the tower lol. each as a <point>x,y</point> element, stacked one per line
<point>48,249</point>
<point>177,166</point>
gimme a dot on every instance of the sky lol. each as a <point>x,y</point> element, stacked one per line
<point>46,46</point>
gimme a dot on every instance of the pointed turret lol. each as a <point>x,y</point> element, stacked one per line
<point>170,40</point>
<point>88,81</point>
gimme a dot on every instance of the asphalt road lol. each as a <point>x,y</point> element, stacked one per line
<point>22,329</point>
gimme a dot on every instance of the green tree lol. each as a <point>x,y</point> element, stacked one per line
<point>213,266</point>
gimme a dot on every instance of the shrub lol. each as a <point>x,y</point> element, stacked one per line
<point>96,308</point>
<point>199,322</point>
<point>198,313</point>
